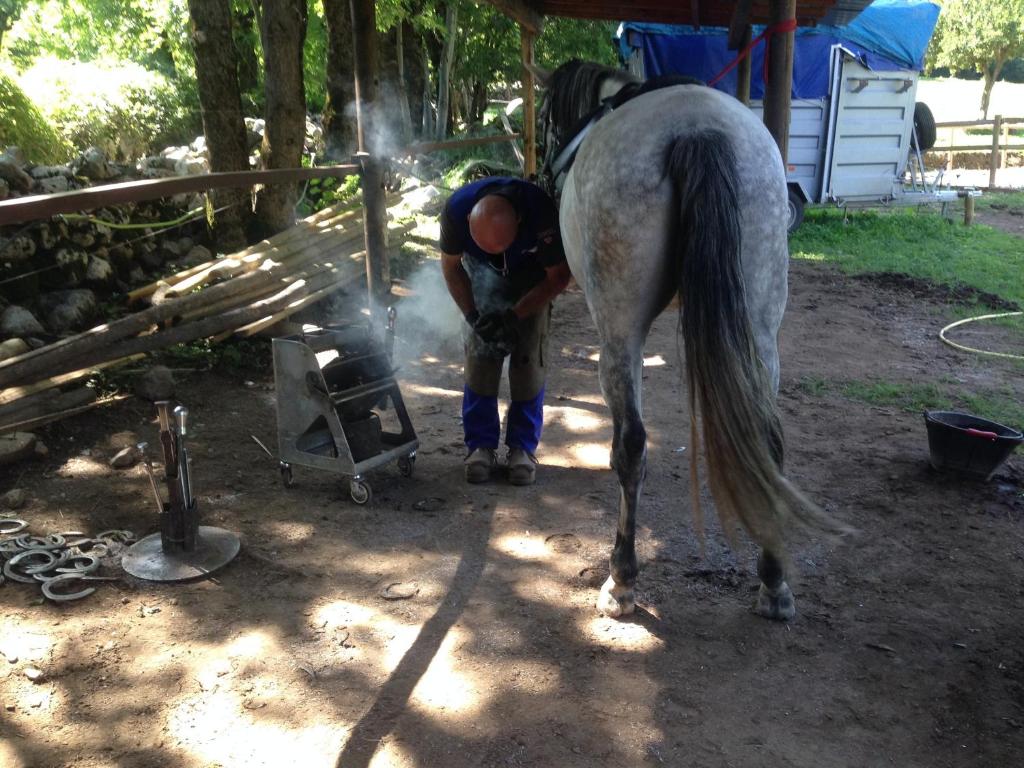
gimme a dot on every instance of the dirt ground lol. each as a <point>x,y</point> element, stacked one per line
<point>906,649</point>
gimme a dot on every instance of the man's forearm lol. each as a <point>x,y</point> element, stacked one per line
<point>458,283</point>
<point>543,293</point>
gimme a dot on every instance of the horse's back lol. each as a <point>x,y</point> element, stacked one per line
<point>618,206</point>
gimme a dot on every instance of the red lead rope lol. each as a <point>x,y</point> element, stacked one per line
<point>781,28</point>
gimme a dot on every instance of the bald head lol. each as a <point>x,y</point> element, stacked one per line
<point>493,223</point>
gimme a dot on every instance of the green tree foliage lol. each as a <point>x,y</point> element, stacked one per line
<point>565,39</point>
<point>9,12</point>
<point>152,33</point>
<point>979,35</point>
<point>123,108</point>
<point>24,126</point>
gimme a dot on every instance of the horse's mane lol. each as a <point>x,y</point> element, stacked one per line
<point>574,91</point>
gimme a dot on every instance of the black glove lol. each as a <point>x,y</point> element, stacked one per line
<point>471,317</point>
<point>500,328</point>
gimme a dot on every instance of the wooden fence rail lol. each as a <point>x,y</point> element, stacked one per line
<point>997,148</point>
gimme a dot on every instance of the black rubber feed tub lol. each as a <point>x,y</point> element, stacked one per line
<point>968,444</point>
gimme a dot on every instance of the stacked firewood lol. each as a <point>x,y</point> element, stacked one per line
<point>233,296</point>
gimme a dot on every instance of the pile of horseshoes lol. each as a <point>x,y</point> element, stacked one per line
<point>58,561</point>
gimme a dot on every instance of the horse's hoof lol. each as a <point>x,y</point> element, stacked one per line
<point>776,604</point>
<point>615,600</point>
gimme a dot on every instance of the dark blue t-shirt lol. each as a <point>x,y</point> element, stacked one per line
<point>538,244</point>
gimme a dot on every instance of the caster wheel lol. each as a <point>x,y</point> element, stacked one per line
<point>286,475</point>
<point>406,465</point>
<point>360,492</point>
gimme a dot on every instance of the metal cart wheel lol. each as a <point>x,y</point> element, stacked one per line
<point>406,465</point>
<point>360,491</point>
<point>286,475</point>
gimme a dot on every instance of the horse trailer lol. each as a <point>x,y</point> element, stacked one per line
<point>857,133</point>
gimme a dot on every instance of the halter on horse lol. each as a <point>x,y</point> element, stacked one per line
<point>681,191</point>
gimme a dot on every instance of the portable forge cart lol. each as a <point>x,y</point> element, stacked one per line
<point>339,406</point>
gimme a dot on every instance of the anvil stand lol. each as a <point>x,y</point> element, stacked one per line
<point>183,549</point>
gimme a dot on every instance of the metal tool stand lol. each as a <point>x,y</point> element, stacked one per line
<point>183,549</point>
<point>333,384</point>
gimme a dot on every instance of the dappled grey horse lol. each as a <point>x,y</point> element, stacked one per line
<point>680,191</point>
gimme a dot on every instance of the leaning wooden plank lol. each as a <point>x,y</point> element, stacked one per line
<point>13,394</point>
<point>323,251</point>
<point>68,354</point>
<point>297,248</point>
<point>252,294</point>
<point>40,399</point>
<point>334,212</point>
<point>295,306</point>
<point>57,402</point>
<point>211,326</point>
<point>39,421</point>
<point>253,328</point>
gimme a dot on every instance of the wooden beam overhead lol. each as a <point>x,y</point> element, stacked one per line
<point>704,13</point>
<point>527,14</point>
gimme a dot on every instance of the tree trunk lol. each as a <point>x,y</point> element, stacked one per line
<point>479,101</point>
<point>444,71</point>
<point>402,86</point>
<point>248,62</point>
<point>991,75</point>
<point>221,104</point>
<point>428,109</point>
<point>395,119</point>
<point>415,74</point>
<point>283,34</point>
<point>339,112</point>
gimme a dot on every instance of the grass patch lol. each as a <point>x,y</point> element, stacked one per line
<point>944,395</point>
<point>889,394</point>
<point>922,244</point>
<point>1007,199</point>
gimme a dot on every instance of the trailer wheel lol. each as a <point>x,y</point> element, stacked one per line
<point>796,210</point>
<point>924,127</point>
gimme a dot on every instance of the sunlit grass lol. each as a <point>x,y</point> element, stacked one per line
<point>1000,405</point>
<point>921,244</point>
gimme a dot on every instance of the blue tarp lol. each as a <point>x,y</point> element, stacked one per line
<point>887,35</point>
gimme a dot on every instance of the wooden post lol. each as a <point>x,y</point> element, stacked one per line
<point>968,210</point>
<point>993,160</point>
<point>529,107</point>
<point>743,71</point>
<point>367,77</point>
<point>779,87</point>
<point>949,154</point>
<point>739,38</point>
<point>1004,153</point>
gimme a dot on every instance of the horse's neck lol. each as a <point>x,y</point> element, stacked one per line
<point>613,84</point>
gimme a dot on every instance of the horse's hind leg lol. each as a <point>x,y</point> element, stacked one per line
<point>620,369</point>
<point>775,598</point>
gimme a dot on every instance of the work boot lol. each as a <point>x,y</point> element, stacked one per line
<point>522,467</point>
<point>479,464</point>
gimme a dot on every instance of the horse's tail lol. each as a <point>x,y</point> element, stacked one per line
<point>727,380</point>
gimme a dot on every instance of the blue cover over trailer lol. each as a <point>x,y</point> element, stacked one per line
<point>887,35</point>
<point>853,111</point>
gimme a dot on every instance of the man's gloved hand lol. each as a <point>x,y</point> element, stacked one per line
<point>501,328</point>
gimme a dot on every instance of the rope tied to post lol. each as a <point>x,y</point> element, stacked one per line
<point>783,27</point>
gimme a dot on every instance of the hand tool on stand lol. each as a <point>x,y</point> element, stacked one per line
<point>172,524</point>
<point>143,449</point>
<point>191,521</point>
<point>183,549</point>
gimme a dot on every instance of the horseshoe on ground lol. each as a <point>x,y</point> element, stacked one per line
<point>67,597</point>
